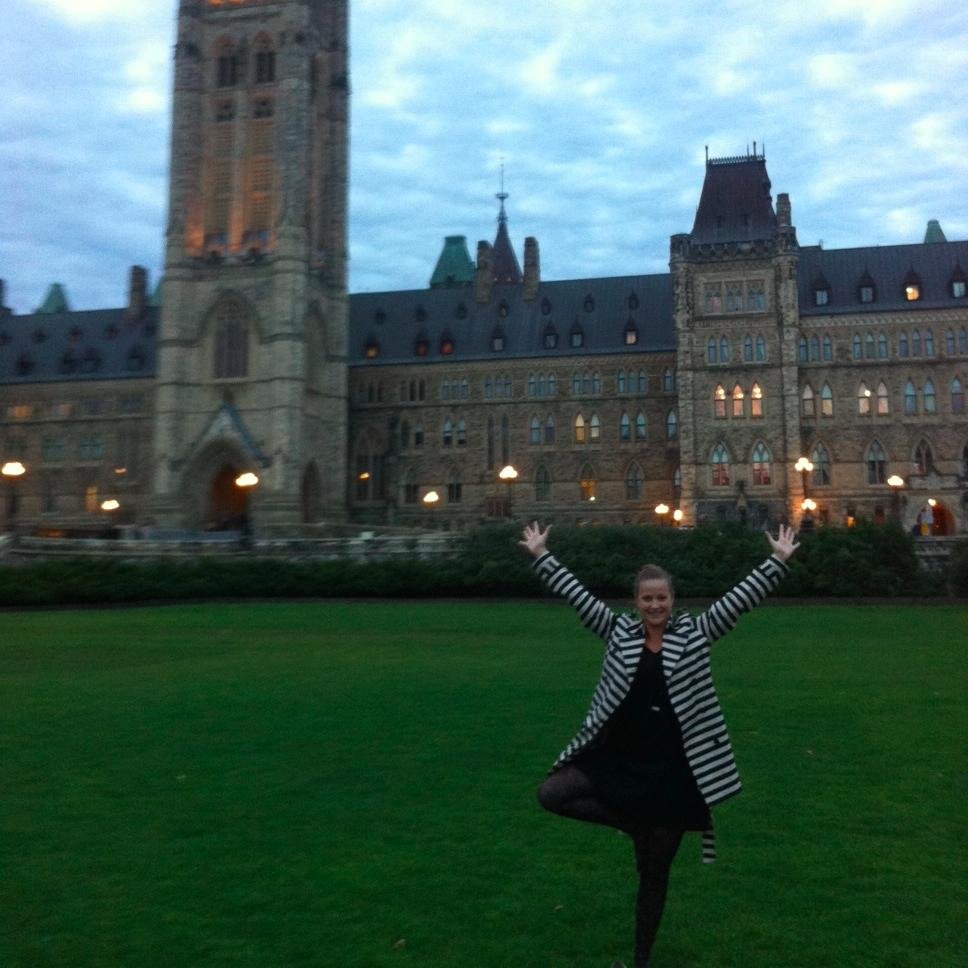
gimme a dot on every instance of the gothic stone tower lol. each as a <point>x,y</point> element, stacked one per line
<point>736,317</point>
<point>251,370</point>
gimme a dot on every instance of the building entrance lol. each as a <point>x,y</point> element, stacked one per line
<point>228,504</point>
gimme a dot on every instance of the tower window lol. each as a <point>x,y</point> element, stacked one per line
<point>224,111</point>
<point>263,108</point>
<point>265,67</point>
<point>228,70</point>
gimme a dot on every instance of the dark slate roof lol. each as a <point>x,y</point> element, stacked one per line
<point>735,205</point>
<point>600,306</point>
<point>455,266</point>
<point>888,265</point>
<point>96,344</point>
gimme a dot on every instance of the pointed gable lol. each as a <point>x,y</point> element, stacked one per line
<point>455,266</point>
<point>504,263</point>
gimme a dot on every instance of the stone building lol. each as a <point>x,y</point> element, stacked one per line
<point>698,390</point>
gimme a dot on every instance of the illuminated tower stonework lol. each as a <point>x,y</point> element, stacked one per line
<point>252,349</point>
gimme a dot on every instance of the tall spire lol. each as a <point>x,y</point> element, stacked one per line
<point>505,262</point>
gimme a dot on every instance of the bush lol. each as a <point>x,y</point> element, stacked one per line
<point>869,560</point>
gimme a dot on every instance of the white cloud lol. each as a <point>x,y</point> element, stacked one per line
<point>89,11</point>
<point>147,76</point>
<point>832,71</point>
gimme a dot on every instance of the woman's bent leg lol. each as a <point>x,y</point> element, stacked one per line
<point>569,793</point>
<point>655,849</point>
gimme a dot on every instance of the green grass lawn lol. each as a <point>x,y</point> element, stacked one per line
<point>353,785</point>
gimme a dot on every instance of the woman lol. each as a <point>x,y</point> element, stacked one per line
<point>652,755</point>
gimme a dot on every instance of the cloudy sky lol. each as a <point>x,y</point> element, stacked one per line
<point>600,110</point>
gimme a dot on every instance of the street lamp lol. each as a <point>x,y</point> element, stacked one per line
<point>430,499</point>
<point>896,483</point>
<point>245,482</point>
<point>509,474</point>
<point>110,504</point>
<point>12,471</point>
<point>805,466</point>
<point>662,510</point>
<point>677,516</point>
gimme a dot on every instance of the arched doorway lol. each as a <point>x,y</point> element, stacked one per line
<point>934,520</point>
<point>228,504</point>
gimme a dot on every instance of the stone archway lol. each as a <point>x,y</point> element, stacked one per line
<point>935,521</point>
<point>214,501</point>
<point>228,504</point>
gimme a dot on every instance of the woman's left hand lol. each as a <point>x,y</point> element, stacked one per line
<point>784,544</point>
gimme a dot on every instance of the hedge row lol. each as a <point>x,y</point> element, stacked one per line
<point>865,561</point>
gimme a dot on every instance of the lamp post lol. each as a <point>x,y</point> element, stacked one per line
<point>246,481</point>
<point>431,499</point>
<point>12,471</point>
<point>896,483</point>
<point>805,466</point>
<point>661,511</point>
<point>677,516</point>
<point>509,474</point>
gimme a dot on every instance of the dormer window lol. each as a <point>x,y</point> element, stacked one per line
<point>503,309</point>
<point>633,302</point>
<point>866,294</point>
<point>631,333</point>
<point>821,297</point>
<point>546,306</point>
<point>379,317</point>
<point>958,283</point>
<point>371,349</point>
<point>576,337</point>
<point>497,340</point>
<point>589,304</point>
<point>912,286</point>
<point>421,346</point>
<point>461,311</point>
<point>550,339</point>
<point>446,345</point>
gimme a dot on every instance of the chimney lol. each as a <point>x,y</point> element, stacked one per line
<point>4,310</point>
<point>484,277</point>
<point>784,215</point>
<point>137,293</point>
<point>532,268</point>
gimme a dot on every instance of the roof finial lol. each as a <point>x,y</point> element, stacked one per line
<point>502,196</point>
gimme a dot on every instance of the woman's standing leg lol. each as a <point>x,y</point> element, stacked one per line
<point>655,849</point>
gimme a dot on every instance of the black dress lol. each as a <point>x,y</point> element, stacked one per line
<point>637,763</point>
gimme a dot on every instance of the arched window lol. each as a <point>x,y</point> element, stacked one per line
<point>410,488</point>
<point>807,402</point>
<point>633,482</point>
<point>910,398</point>
<point>643,381</point>
<point>814,349</point>
<point>761,464</point>
<point>869,348</point>
<point>739,401</point>
<point>461,433</point>
<point>902,345</point>
<point>596,383</point>
<point>756,401</point>
<point>404,435</point>
<point>640,428</point>
<point>668,381</point>
<point>505,441</point>
<point>575,383</point>
<point>957,396</point>
<point>828,349</point>
<point>455,487</point>
<point>723,350</point>
<point>881,346</point>
<point>421,390</point>
<point>576,337</point>
<point>445,389</point>
<point>821,466</point>
<point>542,385</point>
<point>232,343</point>
<point>579,429</point>
<point>535,437</point>
<point>631,334</point>
<point>949,342</point>
<point>586,483</point>
<point>532,385</point>
<point>803,354</point>
<point>883,400</point>
<point>447,435</point>
<point>963,341</point>
<point>586,382</point>
<point>620,382</point>
<point>542,484</point>
<point>826,401</point>
<point>594,428</point>
<point>549,430</point>
<point>876,461</point>
<point>923,458</point>
<point>552,389</point>
<point>863,399</point>
<point>720,465</point>
<point>418,435</point>
<point>677,481</point>
<point>930,399</point>
<point>719,402</point>
<point>625,427</point>
<point>857,347</point>
<point>761,349</point>
<point>672,425</point>
<point>916,343</point>
<point>490,443</point>
<point>748,349</point>
<point>265,61</point>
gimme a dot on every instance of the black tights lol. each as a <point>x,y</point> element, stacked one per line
<point>569,793</point>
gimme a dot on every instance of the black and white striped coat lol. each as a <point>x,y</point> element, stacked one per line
<point>685,665</point>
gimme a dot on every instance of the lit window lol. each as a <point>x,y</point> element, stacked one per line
<point>579,429</point>
<point>821,297</point>
<point>807,401</point>
<point>631,334</point>
<point>756,401</point>
<point>863,399</point>
<point>720,466</point>
<point>734,297</point>
<point>761,464</point>
<point>739,401</point>
<point>912,292</point>
<point>421,347</point>
<point>713,295</point>
<point>719,402</point>
<point>883,401</point>
<point>586,484</point>
<point>446,345</point>
<point>826,401</point>
<point>372,349</point>
<point>957,396</point>
<point>594,427</point>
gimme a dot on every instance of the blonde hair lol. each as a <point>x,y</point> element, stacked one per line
<point>652,573</point>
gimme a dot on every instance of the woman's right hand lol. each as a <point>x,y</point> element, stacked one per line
<point>534,539</point>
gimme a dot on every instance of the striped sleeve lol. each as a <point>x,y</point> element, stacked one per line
<point>594,614</point>
<point>723,615</point>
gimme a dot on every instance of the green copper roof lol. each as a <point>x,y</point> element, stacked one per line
<point>454,267</point>
<point>55,301</point>
<point>934,233</point>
